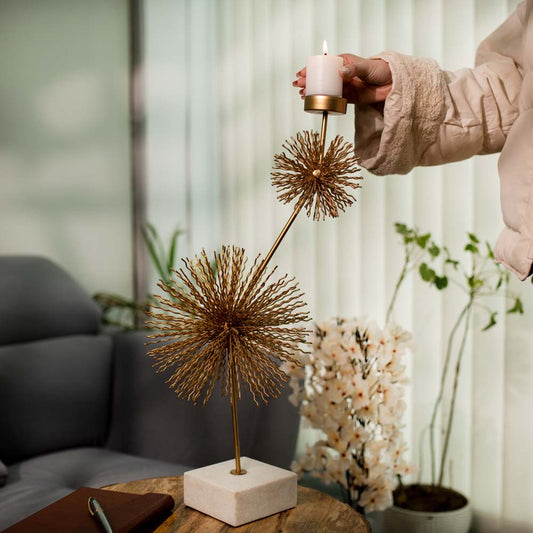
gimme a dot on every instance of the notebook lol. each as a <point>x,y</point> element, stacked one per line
<point>126,513</point>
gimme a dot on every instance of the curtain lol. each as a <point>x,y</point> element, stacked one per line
<point>219,106</point>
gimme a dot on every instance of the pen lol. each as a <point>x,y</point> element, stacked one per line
<point>96,510</point>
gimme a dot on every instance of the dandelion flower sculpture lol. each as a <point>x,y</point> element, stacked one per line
<point>234,324</point>
<point>319,181</point>
<point>227,323</point>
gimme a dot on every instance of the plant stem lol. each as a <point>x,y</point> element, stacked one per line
<point>403,273</point>
<point>455,383</point>
<point>441,390</point>
<point>349,500</point>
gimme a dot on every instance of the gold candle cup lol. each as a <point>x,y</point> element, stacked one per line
<point>318,103</point>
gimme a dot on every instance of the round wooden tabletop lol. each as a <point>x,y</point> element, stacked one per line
<point>315,512</point>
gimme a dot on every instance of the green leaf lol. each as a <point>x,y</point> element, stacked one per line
<point>473,238</point>
<point>402,229</point>
<point>492,321</point>
<point>472,248</point>
<point>173,247</point>
<point>517,308</point>
<point>475,283</point>
<point>434,250</point>
<point>490,252</point>
<point>426,273</point>
<point>151,238</point>
<point>151,231</point>
<point>452,262</point>
<point>441,282</point>
<point>422,240</point>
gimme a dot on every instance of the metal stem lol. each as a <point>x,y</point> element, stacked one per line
<point>238,471</point>
<point>297,210</point>
<point>323,134</point>
<point>278,240</point>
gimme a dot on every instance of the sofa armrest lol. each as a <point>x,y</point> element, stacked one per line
<point>149,419</point>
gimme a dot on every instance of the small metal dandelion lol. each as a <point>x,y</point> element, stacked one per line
<point>319,181</point>
<point>224,322</point>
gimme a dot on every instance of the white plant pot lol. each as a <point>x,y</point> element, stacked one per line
<point>398,520</point>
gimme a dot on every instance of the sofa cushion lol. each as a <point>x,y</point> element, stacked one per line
<point>54,394</point>
<point>38,482</point>
<point>40,300</point>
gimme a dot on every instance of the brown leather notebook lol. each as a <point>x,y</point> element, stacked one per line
<point>126,513</point>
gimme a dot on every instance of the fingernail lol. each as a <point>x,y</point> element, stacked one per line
<point>345,71</point>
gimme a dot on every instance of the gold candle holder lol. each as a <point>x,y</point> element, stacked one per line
<point>319,103</point>
<point>325,104</point>
<point>195,371</point>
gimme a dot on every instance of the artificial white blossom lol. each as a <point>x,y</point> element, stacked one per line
<point>351,388</point>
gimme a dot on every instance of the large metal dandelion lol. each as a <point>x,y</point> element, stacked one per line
<point>319,181</point>
<point>227,322</point>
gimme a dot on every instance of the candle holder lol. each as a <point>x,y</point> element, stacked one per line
<point>325,104</point>
<point>232,324</point>
<point>319,103</point>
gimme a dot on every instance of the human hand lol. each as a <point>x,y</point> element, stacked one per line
<point>366,81</point>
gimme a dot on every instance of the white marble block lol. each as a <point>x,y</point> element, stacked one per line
<point>264,490</point>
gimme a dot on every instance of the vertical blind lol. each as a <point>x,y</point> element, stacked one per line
<point>219,106</point>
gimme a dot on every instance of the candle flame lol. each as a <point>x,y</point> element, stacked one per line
<point>325,48</point>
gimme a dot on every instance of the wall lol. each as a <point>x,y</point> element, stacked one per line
<point>64,140</point>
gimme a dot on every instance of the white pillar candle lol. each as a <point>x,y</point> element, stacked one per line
<point>322,76</point>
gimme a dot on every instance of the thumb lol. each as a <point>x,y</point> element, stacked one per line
<point>352,70</point>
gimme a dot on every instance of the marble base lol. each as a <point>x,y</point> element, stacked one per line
<point>264,490</point>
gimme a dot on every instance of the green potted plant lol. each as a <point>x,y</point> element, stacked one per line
<point>432,506</point>
<point>125,313</point>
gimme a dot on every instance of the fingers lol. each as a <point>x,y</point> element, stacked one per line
<point>300,78</point>
<point>300,81</point>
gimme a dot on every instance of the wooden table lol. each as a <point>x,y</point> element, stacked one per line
<point>316,512</point>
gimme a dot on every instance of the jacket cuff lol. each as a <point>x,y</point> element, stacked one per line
<point>394,142</point>
<point>515,252</point>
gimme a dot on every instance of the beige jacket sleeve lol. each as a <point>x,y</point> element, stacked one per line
<point>432,116</point>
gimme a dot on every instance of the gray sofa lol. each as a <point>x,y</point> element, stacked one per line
<point>83,407</point>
